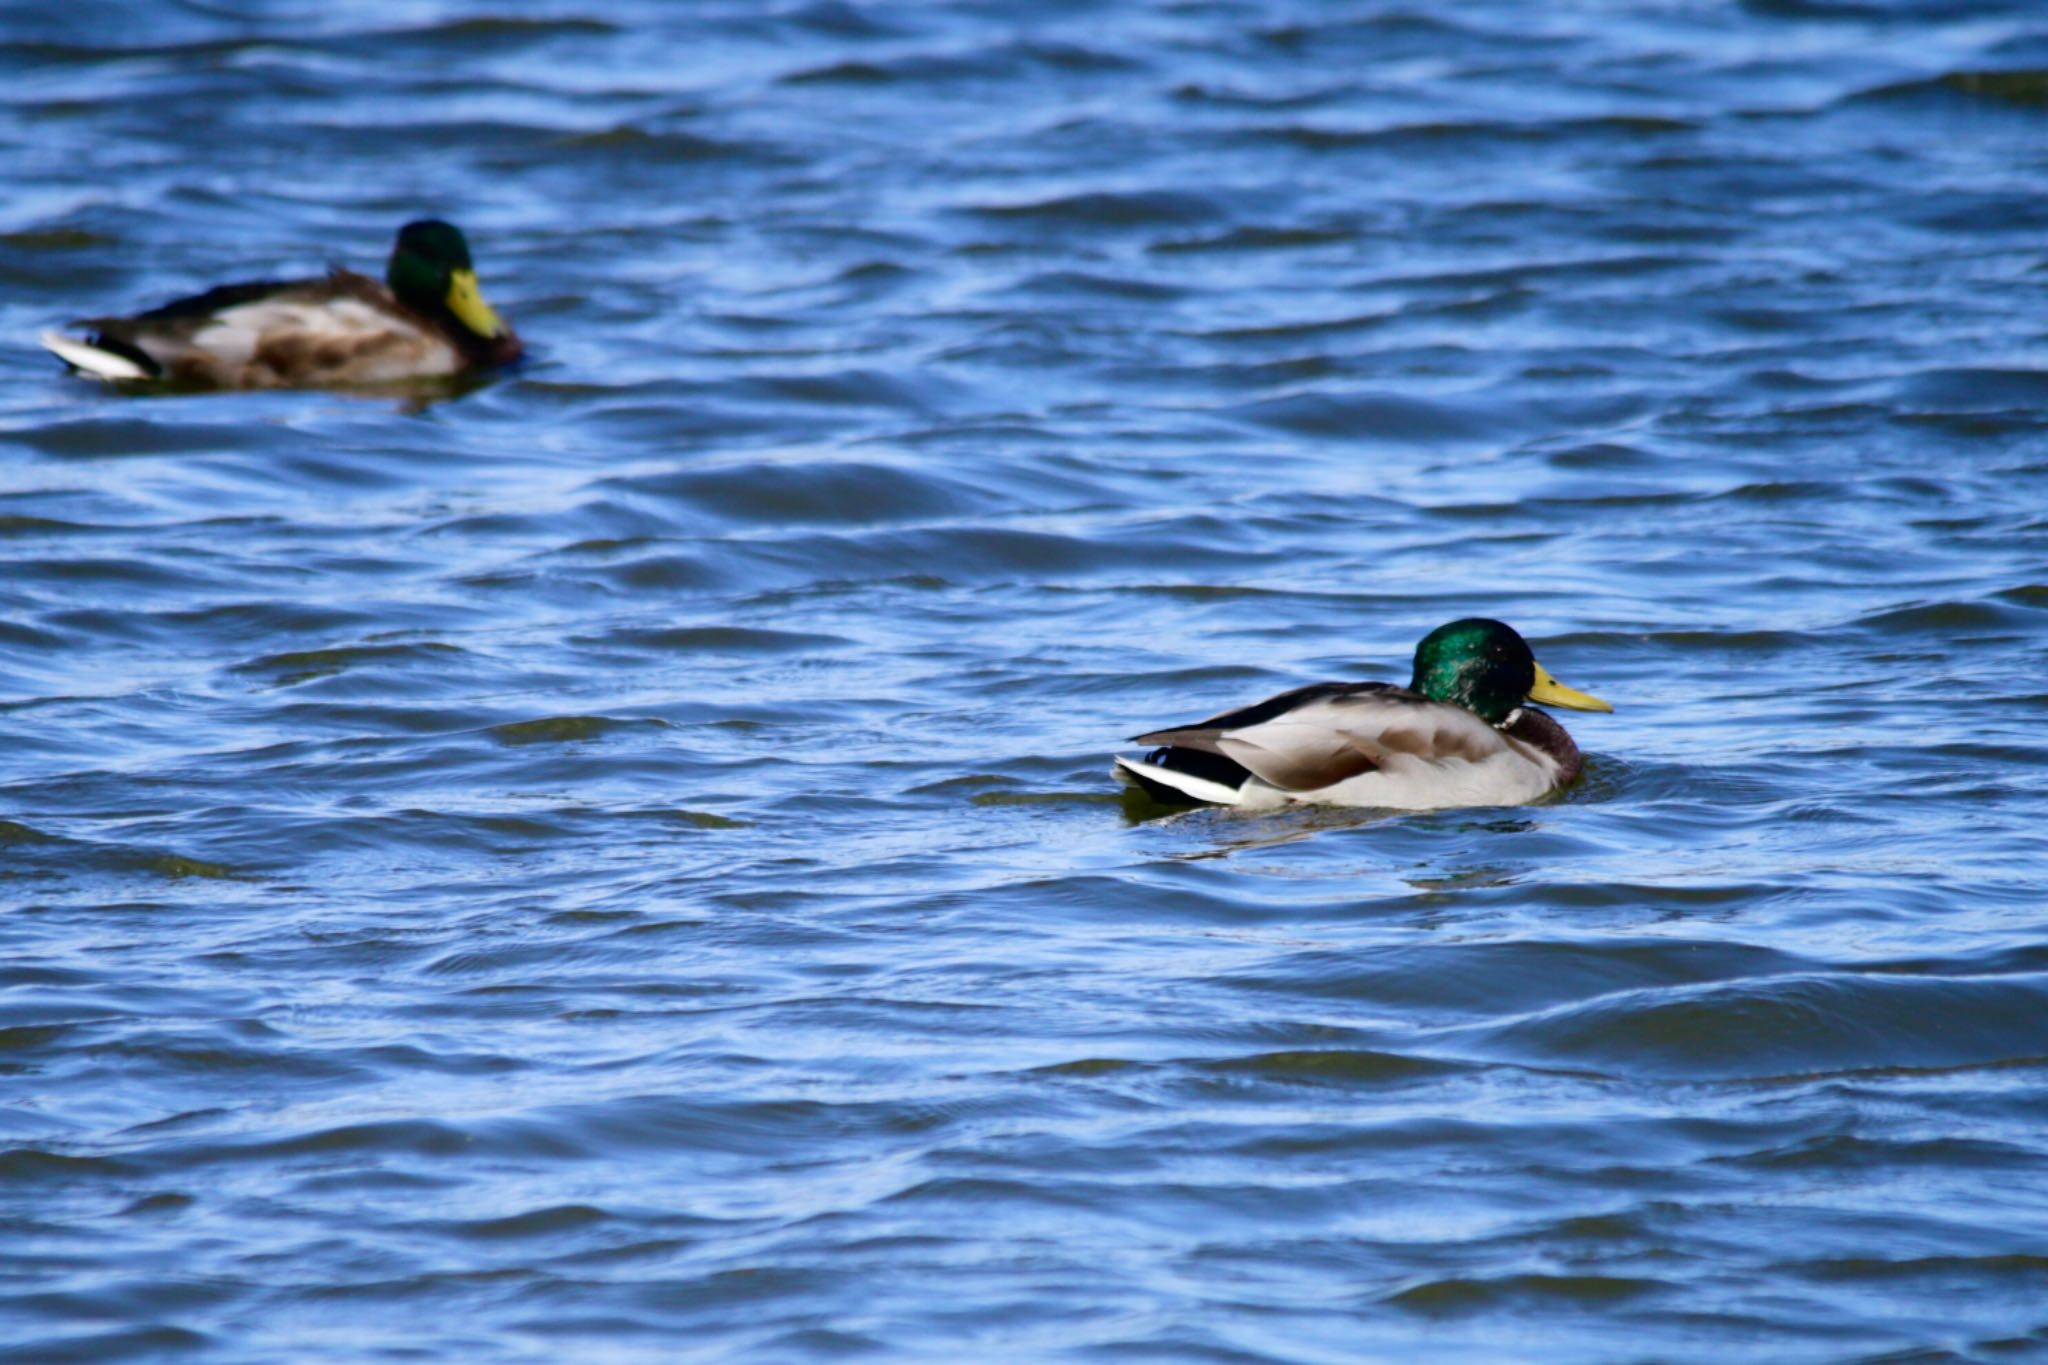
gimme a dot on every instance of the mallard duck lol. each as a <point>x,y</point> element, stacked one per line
<point>1461,733</point>
<point>427,320</point>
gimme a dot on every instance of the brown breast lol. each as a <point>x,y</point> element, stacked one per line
<point>1537,729</point>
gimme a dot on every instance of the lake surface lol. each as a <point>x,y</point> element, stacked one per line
<point>622,864</point>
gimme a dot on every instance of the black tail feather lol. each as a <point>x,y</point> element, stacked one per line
<point>1199,763</point>
<point>127,350</point>
<point>1195,763</point>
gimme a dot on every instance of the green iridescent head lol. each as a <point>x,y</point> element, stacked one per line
<point>430,272</point>
<point>1486,667</point>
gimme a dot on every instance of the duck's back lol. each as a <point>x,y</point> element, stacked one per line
<point>1364,744</point>
<point>338,330</point>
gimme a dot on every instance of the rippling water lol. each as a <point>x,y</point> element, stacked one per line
<point>622,864</point>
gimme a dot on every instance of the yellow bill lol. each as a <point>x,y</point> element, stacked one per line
<point>1550,692</point>
<point>466,301</point>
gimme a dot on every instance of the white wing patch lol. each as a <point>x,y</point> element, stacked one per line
<point>234,334</point>
<point>371,346</point>
<point>1507,778</point>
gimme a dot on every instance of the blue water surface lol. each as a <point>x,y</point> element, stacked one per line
<point>622,864</point>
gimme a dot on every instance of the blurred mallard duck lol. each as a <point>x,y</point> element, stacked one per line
<point>1461,733</point>
<point>427,320</point>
